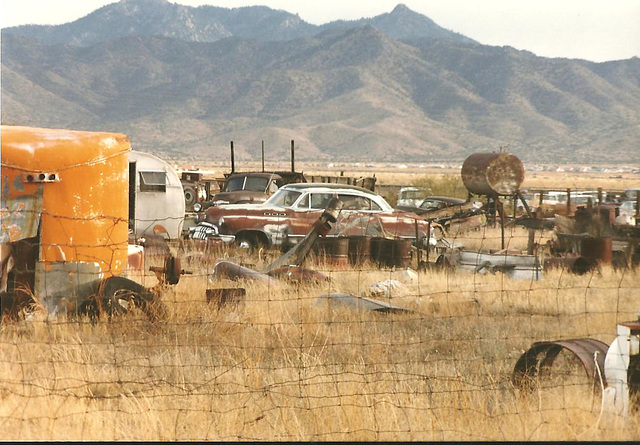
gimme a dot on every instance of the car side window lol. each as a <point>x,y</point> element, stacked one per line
<point>304,203</point>
<point>320,200</point>
<point>352,202</point>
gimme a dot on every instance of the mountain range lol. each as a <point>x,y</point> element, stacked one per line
<point>184,81</point>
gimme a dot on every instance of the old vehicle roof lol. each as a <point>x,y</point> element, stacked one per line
<point>317,186</point>
<point>448,199</point>
<point>42,149</point>
<point>257,174</point>
<point>328,188</point>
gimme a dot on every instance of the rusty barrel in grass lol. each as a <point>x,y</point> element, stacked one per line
<point>391,252</point>
<point>333,250</point>
<point>359,250</point>
<point>597,250</point>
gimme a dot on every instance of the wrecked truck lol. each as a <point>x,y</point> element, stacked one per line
<point>64,230</point>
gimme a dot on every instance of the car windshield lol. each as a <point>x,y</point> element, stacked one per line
<point>429,204</point>
<point>412,194</point>
<point>257,184</point>
<point>283,198</point>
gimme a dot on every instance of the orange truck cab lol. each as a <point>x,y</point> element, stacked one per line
<point>64,209</point>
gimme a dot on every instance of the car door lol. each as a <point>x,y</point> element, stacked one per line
<point>304,213</point>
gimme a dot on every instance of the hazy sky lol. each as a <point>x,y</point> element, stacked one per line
<point>595,30</point>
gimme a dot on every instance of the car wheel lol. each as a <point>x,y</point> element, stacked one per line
<point>247,243</point>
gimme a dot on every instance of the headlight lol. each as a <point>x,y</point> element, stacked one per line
<point>197,207</point>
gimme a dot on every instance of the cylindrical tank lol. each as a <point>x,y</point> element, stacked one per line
<point>391,252</point>
<point>492,174</point>
<point>597,249</point>
<point>334,251</point>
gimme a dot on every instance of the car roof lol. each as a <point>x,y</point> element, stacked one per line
<point>256,174</point>
<point>305,186</point>
<point>446,199</point>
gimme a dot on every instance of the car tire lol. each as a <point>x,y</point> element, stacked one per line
<point>248,242</point>
<point>120,296</point>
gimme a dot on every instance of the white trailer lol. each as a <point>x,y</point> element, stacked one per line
<point>156,197</point>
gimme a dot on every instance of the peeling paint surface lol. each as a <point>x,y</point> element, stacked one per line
<point>84,214</point>
<point>20,217</point>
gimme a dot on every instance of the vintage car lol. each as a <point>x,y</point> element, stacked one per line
<point>627,213</point>
<point>249,188</point>
<point>285,218</point>
<point>411,196</point>
<point>242,188</point>
<point>431,204</point>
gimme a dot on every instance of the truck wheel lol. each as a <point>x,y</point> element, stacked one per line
<point>121,296</point>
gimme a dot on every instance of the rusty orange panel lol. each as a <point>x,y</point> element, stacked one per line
<point>84,179</point>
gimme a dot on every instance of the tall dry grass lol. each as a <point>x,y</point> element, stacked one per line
<point>281,366</point>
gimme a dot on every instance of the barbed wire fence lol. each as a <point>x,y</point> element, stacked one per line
<point>351,350</point>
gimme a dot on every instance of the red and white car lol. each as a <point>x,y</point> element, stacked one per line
<point>288,215</point>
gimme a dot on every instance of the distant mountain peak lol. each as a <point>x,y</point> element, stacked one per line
<point>144,2</point>
<point>401,8</point>
<point>208,23</point>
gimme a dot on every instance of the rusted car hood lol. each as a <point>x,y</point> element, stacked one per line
<point>241,195</point>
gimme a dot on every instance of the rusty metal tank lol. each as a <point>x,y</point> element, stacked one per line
<point>492,174</point>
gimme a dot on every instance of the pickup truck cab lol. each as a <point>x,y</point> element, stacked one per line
<point>287,216</point>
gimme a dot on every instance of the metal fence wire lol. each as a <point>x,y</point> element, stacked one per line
<point>351,346</point>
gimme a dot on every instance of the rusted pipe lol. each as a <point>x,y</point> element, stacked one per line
<point>233,164</point>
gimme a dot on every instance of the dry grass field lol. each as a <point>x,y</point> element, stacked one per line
<point>282,366</point>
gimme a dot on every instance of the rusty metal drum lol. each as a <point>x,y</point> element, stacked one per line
<point>597,249</point>
<point>391,252</point>
<point>333,250</point>
<point>492,174</point>
<point>359,250</point>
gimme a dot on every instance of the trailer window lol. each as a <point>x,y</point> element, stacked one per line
<point>153,181</point>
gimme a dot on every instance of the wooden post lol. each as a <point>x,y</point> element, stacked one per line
<point>501,212</point>
<point>541,198</point>
<point>417,244</point>
<point>233,164</point>
<point>599,196</point>
<point>568,202</point>
<point>262,156</point>
<point>293,164</point>
<point>531,241</point>
<point>495,210</point>
<point>428,239</point>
